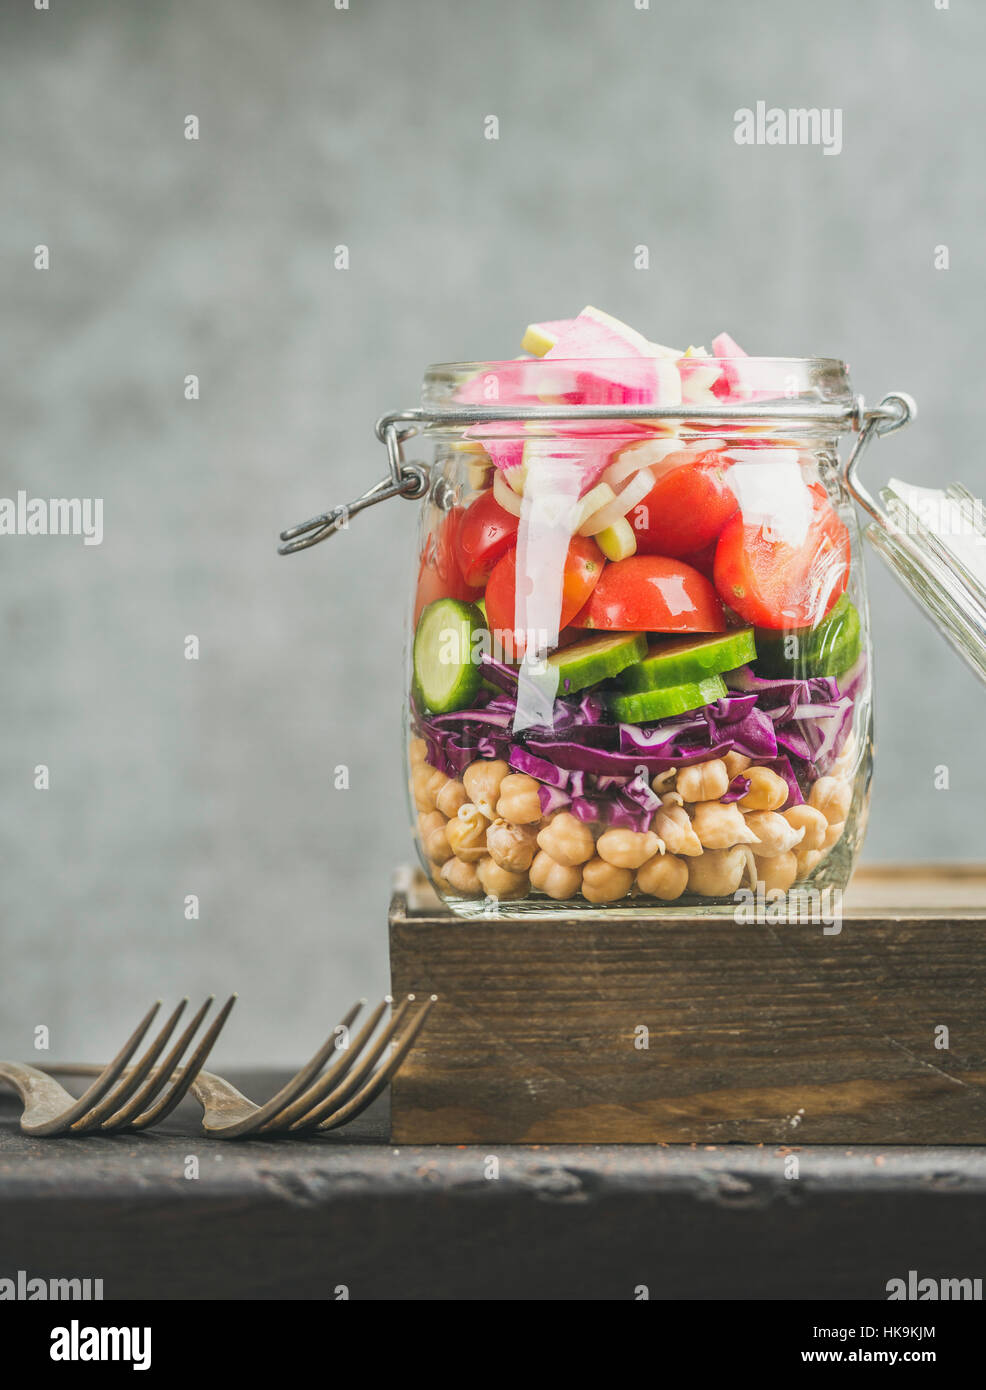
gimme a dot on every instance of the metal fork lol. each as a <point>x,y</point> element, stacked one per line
<point>313,1099</point>
<point>121,1095</point>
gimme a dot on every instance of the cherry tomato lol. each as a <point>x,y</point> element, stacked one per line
<point>686,508</point>
<point>774,583</point>
<point>652,593</point>
<point>439,575</point>
<point>487,532</point>
<point>703,560</point>
<point>583,567</point>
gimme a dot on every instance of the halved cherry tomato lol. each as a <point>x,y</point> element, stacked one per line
<point>686,508</point>
<point>487,532</point>
<point>773,583</point>
<point>652,593</point>
<point>703,560</point>
<point>583,567</point>
<point>439,575</point>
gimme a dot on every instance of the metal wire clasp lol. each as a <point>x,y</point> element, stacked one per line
<point>894,411</point>
<point>403,480</point>
<point>411,479</point>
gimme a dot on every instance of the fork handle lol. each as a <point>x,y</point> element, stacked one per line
<point>34,1088</point>
<point>26,1081</point>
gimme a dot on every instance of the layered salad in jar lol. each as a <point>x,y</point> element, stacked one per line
<point>638,671</point>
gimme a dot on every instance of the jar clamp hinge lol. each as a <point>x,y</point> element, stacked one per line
<point>403,480</point>
<point>894,411</point>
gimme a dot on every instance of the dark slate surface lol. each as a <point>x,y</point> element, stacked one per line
<point>301,1218</point>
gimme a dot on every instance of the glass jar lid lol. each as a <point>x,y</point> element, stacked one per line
<point>934,542</point>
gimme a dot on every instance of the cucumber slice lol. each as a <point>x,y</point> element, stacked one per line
<point>673,699</point>
<point>446,668</point>
<point>829,649</point>
<point>596,659</point>
<point>681,660</point>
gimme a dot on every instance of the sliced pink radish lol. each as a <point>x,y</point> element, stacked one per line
<point>746,378</point>
<point>503,440</point>
<point>732,383</point>
<point>698,377</point>
<point>628,369</point>
<point>501,383</point>
<point>621,368</point>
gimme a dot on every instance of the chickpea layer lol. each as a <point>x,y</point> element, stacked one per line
<point>484,834</point>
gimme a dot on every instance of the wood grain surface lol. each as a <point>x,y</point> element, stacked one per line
<point>694,1029</point>
<point>306,1218</point>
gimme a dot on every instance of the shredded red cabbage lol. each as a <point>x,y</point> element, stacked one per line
<point>601,760</point>
<point>601,770</point>
<point>625,814</point>
<point>738,788</point>
<point>662,736</point>
<point>576,783</point>
<point>794,743</point>
<point>525,761</point>
<point>584,808</point>
<point>552,799</point>
<point>498,673</point>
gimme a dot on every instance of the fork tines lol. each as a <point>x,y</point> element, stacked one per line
<point>125,1096</point>
<point>317,1099</point>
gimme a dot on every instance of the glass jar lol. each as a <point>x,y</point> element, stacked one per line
<point>638,674</point>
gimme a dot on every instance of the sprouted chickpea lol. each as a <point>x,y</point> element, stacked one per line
<point>498,882</point>
<point>452,797</point>
<point>627,849</point>
<point>434,841</point>
<point>482,780</point>
<point>466,833</point>
<point>736,763</point>
<point>567,839</point>
<point>778,872</point>
<point>775,834</point>
<point>519,802</point>
<point>768,791</point>
<point>512,846</point>
<point>832,796</point>
<point>421,787</point>
<point>665,877</point>
<point>833,834</point>
<point>436,781</point>
<point>703,781</point>
<point>605,883</point>
<point>673,826</point>
<point>559,881</point>
<point>808,859</point>
<point>719,827</point>
<point>461,876</point>
<point>718,872</point>
<point>664,781</point>
<point>811,821</point>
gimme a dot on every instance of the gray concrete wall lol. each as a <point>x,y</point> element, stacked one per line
<point>214,257</point>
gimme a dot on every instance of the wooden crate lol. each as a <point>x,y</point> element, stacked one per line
<point>696,1029</point>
